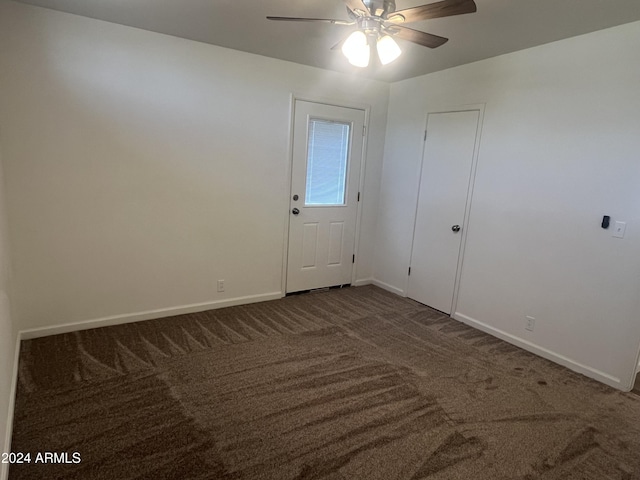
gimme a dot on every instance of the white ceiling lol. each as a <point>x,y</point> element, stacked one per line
<point>498,27</point>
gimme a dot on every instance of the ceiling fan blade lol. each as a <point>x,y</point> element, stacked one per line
<point>446,8</point>
<point>357,5</point>
<point>323,20</point>
<point>415,36</point>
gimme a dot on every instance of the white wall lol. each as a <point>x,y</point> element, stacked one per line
<point>7,333</point>
<point>560,149</point>
<point>141,167</point>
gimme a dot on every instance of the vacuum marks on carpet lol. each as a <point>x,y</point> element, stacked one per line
<point>349,384</point>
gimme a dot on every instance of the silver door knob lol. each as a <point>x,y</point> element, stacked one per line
<point>455,228</point>
<point>295,211</point>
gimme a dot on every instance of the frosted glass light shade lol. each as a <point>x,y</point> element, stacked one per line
<point>356,49</point>
<point>388,50</point>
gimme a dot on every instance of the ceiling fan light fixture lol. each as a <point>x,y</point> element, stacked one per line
<point>356,49</point>
<point>376,19</point>
<point>388,50</point>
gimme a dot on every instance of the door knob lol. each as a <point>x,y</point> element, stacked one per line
<point>295,211</point>
<point>455,228</point>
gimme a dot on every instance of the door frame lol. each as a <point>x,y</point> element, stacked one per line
<point>293,98</point>
<point>480,107</point>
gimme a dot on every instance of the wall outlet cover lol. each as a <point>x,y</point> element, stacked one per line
<point>618,229</point>
<point>530,323</point>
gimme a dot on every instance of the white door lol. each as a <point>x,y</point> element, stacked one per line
<point>327,153</point>
<point>444,187</point>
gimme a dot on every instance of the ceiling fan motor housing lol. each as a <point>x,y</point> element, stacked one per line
<point>380,8</point>
<point>371,26</point>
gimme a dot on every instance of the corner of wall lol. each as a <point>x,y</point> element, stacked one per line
<point>388,287</point>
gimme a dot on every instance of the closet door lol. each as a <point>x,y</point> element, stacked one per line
<point>444,188</point>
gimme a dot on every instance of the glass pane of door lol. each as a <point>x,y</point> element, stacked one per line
<point>327,159</point>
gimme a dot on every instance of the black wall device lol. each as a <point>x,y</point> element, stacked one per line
<point>605,221</point>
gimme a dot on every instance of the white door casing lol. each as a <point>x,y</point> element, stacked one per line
<point>445,183</point>
<point>327,157</point>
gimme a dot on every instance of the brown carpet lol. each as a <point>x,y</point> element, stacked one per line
<point>636,386</point>
<point>347,384</point>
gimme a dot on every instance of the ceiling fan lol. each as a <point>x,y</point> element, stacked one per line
<point>378,22</point>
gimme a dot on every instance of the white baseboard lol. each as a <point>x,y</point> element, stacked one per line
<point>362,282</point>
<point>545,353</point>
<point>387,287</point>
<point>4,468</point>
<point>148,315</point>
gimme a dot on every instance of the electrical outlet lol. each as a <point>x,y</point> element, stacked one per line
<point>220,285</point>
<point>531,323</point>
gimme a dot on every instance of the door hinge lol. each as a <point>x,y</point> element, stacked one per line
<point>364,131</point>
<point>358,196</point>
<point>409,271</point>
<point>425,135</point>
<point>353,259</point>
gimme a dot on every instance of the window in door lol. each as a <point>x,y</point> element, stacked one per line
<point>327,162</point>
